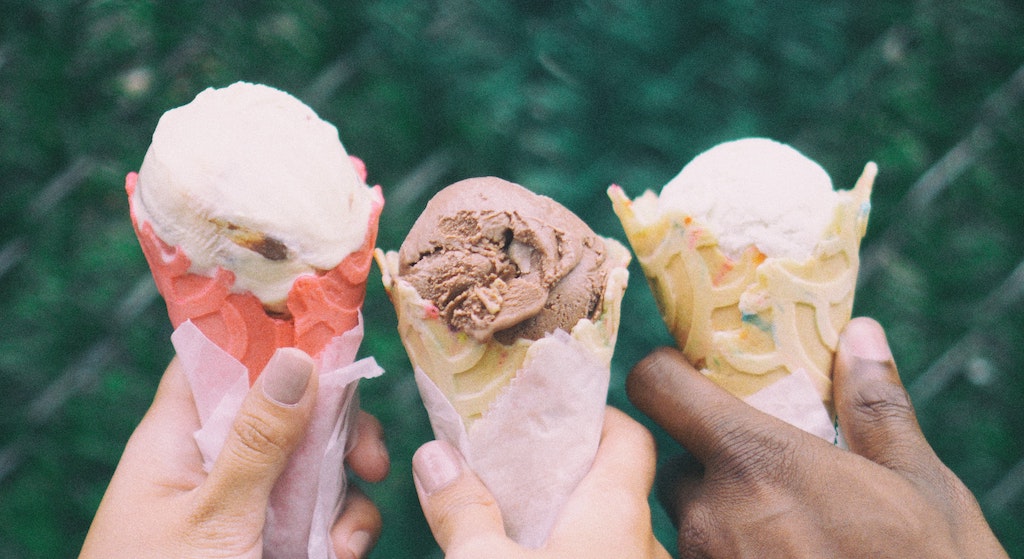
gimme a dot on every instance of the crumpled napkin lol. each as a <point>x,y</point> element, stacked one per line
<point>309,494</point>
<point>538,439</point>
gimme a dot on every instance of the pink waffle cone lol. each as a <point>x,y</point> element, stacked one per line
<point>322,307</point>
<point>225,339</point>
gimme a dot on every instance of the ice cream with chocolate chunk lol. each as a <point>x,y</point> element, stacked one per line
<point>500,261</point>
<point>259,231</point>
<point>257,225</point>
<point>249,179</point>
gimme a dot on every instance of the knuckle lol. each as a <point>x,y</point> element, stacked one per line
<point>453,505</point>
<point>756,456</point>
<point>882,400</point>
<point>884,404</point>
<point>461,503</point>
<point>649,377</point>
<point>208,528</point>
<point>695,529</point>
<point>258,441</point>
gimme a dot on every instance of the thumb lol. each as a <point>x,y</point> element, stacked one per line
<point>874,409</point>
<point>268,427</point>
<point>457,505</point>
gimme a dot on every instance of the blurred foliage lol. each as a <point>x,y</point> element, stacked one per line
<point>565,98</point>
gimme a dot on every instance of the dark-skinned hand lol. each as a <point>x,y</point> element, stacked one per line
<point>763,488</point>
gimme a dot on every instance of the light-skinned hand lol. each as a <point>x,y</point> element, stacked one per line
<point>767,489</point>
<point>607,516</point>
<point>160,502</point>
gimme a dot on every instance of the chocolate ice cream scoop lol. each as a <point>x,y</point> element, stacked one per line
<point>500,261</point>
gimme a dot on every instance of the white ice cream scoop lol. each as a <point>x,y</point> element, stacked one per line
<point>756,191</point>
<point>764,324</point>
<point>250,179</point>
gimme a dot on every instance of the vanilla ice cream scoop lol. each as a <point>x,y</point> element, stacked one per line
<point>249,179</point>
<point>752,258</point>
<point>756,192</point>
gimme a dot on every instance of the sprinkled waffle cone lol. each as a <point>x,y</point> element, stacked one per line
<point>749,323</point>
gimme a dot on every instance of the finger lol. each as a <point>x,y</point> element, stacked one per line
<point>455,502</point>
<point>708,421</point>
<point>620,478</point>
<point>368,457</point>
<point>268,426</point>
<point>874,410</point>
<point>173,410</point>
<point>173,396</point>
<point>678,483</point>
<point>612,499</point>
<point>626,455</point>
<point>160,459</point>
<point>162,449</point>
<point>357,528</point>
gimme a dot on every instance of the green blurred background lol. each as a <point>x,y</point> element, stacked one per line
<point>563,97</point>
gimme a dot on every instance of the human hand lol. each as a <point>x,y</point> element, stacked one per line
<point>770,490</point>
<point>160,502</point>
<point>606,516</point>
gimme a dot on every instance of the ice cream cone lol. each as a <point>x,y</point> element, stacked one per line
<point>508,306</point>
<point>525,414</point>
<point>259,231</point>
<point>750,322</point>
<point>320,307</point>
<point>470,373</point>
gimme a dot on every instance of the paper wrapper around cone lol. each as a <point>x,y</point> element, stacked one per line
<point>224,339</point>
<point>766,329</point>
<point>526,416</point>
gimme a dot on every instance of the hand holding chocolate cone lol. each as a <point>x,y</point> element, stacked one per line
<point>753,258</point>
<point>259,230</point>
<point>508,306</point>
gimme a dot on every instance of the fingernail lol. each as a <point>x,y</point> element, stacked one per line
<point>359,543</point>
<point>865,339</point>
<point>436,466</point>
<point>286,376</point>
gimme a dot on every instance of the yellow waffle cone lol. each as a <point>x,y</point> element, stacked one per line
<point>750,323</point>
<point>472,374</point>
